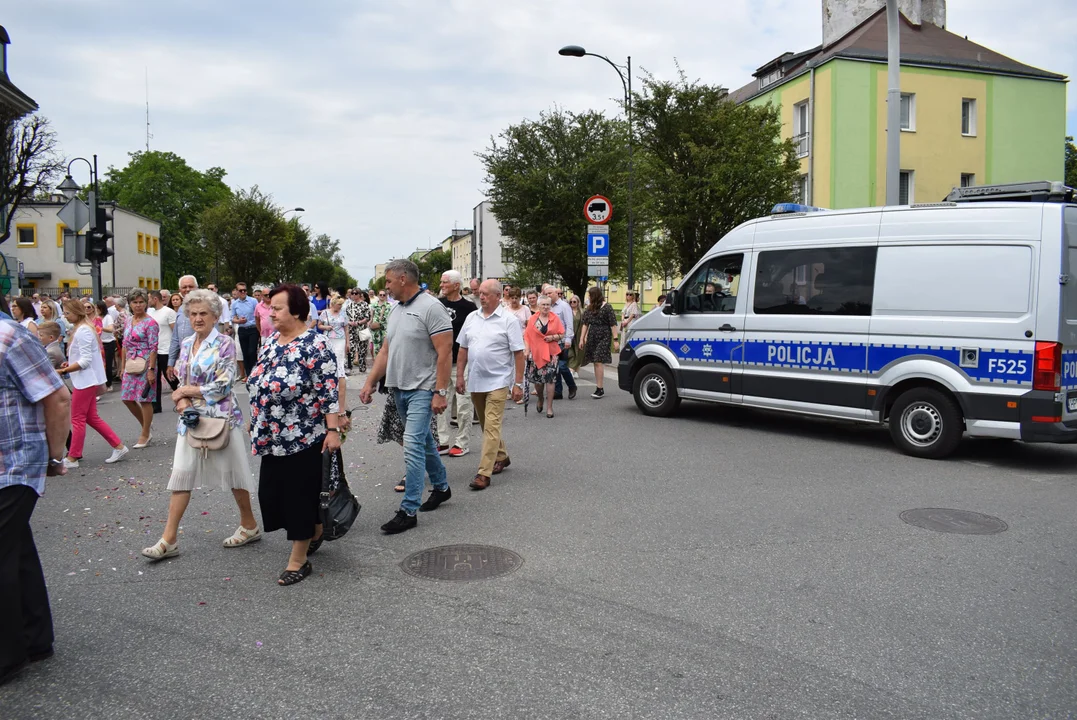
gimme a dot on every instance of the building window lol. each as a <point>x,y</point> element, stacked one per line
<point>906,194</point>
<point>770,78</point>
<point>60,234</point>
<point>141,243</point>
<point>156,245</point>
<point>968,117</point>
<point>968,179</point>
<point>800,128</point>
<point>26,235</point>
<point>648,284</point>
<point>141,281</point>
<point>800,192</point>
<point>69,284</point>
<point>908,112</point>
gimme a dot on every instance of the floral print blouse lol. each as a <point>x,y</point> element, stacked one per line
<point>214,371</point>
<point>380,314</point>
<point>293,387</point>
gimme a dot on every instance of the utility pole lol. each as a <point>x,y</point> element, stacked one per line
<point>893,103</point>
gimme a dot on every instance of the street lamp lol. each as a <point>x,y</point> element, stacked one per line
<point>298,209</point>
<point>577,51</point>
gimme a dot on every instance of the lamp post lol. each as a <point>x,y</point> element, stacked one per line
<point>295,210</point>
<point>70,188</point>
<point>577,51</point>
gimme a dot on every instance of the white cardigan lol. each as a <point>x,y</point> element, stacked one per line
<point>84,349</point>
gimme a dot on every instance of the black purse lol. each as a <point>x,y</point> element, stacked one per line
<point>338,506</point>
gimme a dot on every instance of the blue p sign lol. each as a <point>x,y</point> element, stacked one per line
<point>598,245</point>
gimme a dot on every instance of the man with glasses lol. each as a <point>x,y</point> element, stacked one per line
<point>564,313</point>
<point>243,308</point>
<point>183,329</point>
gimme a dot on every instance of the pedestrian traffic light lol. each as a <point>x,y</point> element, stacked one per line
<point>98,246</point>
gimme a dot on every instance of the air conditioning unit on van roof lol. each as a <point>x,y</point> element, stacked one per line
<point>1040,191</point>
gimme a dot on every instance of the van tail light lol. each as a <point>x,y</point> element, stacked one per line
<point>1047,371</point>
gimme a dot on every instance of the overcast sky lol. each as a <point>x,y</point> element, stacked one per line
<point>369,114</point>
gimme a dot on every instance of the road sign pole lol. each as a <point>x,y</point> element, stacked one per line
<point>95,262</point>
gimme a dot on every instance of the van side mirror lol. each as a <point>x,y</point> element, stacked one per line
<point>674,303</point>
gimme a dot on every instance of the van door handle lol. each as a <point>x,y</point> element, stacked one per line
<point>727,328</point>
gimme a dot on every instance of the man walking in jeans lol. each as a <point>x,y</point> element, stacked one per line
<point>32,432</point>
<point>564,313</point>
<point>415,360</point>
<point>243,308</point>
<point>493,343</point>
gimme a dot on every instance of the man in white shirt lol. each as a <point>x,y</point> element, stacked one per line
<point>491,340</point>
<point>166,323</point>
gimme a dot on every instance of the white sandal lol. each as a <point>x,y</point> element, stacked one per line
<point>242,536</point>
<point>161,550</point>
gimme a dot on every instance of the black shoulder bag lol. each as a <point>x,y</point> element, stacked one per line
<point>338,507</point>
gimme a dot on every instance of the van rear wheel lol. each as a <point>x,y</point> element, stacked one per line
<point>655,392</point>
<point>926,423</point>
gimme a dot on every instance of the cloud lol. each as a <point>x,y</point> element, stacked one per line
<point>369,114</point>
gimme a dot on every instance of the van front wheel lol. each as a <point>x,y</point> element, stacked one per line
<point>655,392</point>
<point>926,423</point>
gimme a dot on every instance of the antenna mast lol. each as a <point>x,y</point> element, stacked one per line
<point>149,135</point>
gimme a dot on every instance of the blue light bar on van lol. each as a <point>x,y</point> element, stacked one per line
<point>785,208</point>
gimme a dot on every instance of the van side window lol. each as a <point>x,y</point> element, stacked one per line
<point>713,289</point>
<point>815,281</point>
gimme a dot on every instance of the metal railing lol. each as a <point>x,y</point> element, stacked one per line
<point>801,142</point>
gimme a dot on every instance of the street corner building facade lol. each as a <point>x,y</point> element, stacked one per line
<point>969,115</point>
<point>37,247</point>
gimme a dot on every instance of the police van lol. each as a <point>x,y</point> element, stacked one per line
<point>938,320</point>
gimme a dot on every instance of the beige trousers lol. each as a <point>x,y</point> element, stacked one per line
<point>490,407</point>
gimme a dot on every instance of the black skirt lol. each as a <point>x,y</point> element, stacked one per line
<point>288,492</point>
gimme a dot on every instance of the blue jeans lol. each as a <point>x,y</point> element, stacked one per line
<point>563,371</point>
<point>420,449</point>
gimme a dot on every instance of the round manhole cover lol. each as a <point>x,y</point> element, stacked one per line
<point>461,563</point>
<point>947,520</point>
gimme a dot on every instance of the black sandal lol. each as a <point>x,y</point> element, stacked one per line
<point>401,486</point>
<point>314,545</point>
<point>291,577</point>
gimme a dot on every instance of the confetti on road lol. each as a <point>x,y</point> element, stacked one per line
<point>201,602</point>
<point>258,643</point>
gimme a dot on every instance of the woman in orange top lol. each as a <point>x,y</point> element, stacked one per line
<point>542,338</point>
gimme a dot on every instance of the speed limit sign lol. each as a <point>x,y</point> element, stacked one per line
<point>598,209</point>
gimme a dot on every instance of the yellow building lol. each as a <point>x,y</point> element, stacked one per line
<point>969,116</point>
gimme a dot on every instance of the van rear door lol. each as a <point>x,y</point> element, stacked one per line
<point>1067,332</point>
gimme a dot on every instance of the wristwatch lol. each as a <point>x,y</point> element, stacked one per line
<point>442,393</point>
<point>519,385</point>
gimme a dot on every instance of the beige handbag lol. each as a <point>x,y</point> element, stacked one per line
<point>134,366</point>
<point>209,434</point>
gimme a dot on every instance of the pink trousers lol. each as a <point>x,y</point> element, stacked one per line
<point>83,413</point>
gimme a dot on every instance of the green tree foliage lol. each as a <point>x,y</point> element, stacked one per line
<point>30,162</point>
<point>246,233</point>
<point>295,251</point>
<point>326,247</point>
<point>432,265</point>
<point>319,269</point>
<point>706,164</point>
<point>376,285</point>
<point>162,186</point>
<point>540,174</point>
<point>1071,163</point>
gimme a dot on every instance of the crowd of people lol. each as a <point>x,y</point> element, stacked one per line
<point>291,347</point>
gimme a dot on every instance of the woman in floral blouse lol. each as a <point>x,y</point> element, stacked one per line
<point>379,316</point>
<point>206,370</point>
<point>359,315</point>
<point>295,416</point>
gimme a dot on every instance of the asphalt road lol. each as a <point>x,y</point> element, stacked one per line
<point>721,564</point>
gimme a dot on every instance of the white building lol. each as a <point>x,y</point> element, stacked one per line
<point>487,255</point>
<point>37,242</point>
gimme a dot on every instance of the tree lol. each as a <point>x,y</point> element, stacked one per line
<point>162,186</point>
<point>376,284</point>
<point>707,164</point>
<point>245,234</point>
<point>295,251</point>
<point>540,173</point>
<point>324,246</point>
<point>30,161</point>
<point>1071,163</point>
<point>432,265</point>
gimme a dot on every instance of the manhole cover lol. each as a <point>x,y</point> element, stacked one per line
<point>461,562</point>
<point>947,520</point>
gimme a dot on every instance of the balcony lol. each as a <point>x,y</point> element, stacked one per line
<point>801,142</point>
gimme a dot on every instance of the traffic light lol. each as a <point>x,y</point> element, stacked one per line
<point>97,247</point>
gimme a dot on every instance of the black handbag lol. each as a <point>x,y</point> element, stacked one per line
<point>338,506</point>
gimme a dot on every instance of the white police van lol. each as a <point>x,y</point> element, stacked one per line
<point>940,320</point>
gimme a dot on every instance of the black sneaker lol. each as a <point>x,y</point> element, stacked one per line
<point>557,396</point>
<point>435,498</point>
<point>400,522</point>
<point>599,392</point>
